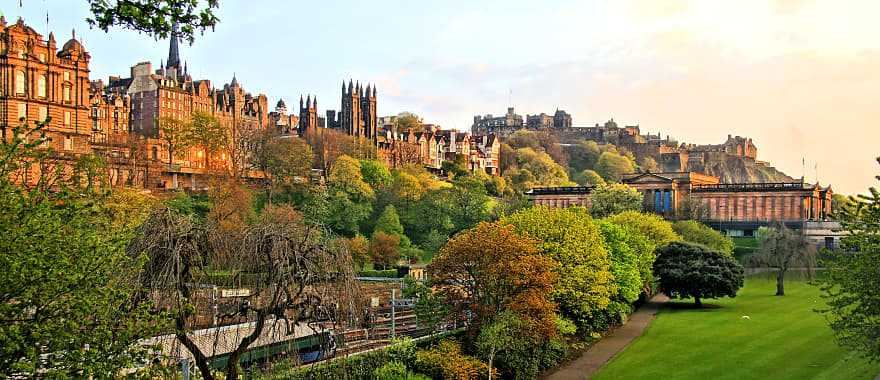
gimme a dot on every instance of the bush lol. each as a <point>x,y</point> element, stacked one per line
<point>386,273</point>
<point>696,232</point>
<point>359,367</point>
<point>446,361</point>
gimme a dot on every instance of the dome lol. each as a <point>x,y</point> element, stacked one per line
<point>72,44</point>
<point>281,104</point>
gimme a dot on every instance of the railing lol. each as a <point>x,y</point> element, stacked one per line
<point>772,186</point>
<point>561,190</point>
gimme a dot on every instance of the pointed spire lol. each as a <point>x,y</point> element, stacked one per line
<point>343,86</point>
<point>161,63</point>
<point>315,102</point>
<point>349,86</point>
<point>309,101</point>
<point>374,90</point>
<point>300,101</point>
<point>173,51</point>
<point>51,34</point>
<point>73,33</point>
<point>234,80</point>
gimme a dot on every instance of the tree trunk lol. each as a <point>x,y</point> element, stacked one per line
<point>698,302</point>
<point>232,365</point>
<point>780,286</point>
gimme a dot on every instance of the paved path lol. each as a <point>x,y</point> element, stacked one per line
<point>602,351</point>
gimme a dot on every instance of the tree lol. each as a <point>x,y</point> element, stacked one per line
<point>588,177</point>
<point>624,261</point>
<point>850,283</point>
<point>359,247</point>
<point>491,268</point>
<point>693,208</point>
<point>384,249</point>
<point>431,308</point>
<point>658,231</point>
<point>535,169</point>
<point>696,232</point>
<point>389,222</point>
<point>612,167</point>
<point>687,270</point>
<point>206,132</point>
<point>157,18</point>
<point>498,334</point>
<point>649,165</point>
<point>583,155</point>
<point>407,121</point>
<point>176,135</point>
<point>303,275</point>
<point>783,249</point>
<point>569,237</point>
<point>376,174</point>
<point>67,286</point>
<point>612,199</point>
<point>349,197</point>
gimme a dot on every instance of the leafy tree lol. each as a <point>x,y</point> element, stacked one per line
<point>406,122</point>
<point>612,167</point>
<point>507,159</point>
<point>851,281</point>
<point>206,132</point>
<point>569,237</point>
<point>359,247</point>
<point>524,138</point>
<point>389,222</point>
<point>696,232</point>
<point>157,18</point>
<point>349,197</point>
<point>658,231</point>
<point>286,162</point>
<point>176,135</point>
<point>67,288</point>
<point>783,249</point>
<point>693,208</point>
<point>430,308</point>
<point>687,270</point>
<point>457,167</point>
<point>496,335</point>
<point>535,169</point>
<point>588,177</point>
<point>406,187</point>
<point>612,199</point>
<point>446,360</point>
<point>376,174</point>
<point>624,261</point>
<point>648,164</point>
<point>583,155</point>
<point>491,268</point>
<point>384,249</point>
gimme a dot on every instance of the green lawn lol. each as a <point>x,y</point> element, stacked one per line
<point>783,339</point>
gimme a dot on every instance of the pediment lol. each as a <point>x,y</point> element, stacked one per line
<point>648,178</point>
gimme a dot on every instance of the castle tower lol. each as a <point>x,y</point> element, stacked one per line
<point>368,113</point>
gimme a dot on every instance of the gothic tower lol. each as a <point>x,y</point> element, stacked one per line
<point>308,116</point>
<point>368,113</point>
<point>350,111</point>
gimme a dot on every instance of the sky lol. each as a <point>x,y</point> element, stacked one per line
<point>800,77</point>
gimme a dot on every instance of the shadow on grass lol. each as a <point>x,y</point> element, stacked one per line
<point>689,305</point>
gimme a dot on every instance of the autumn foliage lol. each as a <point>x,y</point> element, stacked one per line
<point>491,268</point>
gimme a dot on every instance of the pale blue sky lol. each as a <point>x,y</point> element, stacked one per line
<point>799,76</point>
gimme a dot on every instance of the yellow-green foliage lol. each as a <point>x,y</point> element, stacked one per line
<point>569,236</point>
<point>624,261</point>
<point>655,228</point>
<point>696,232</point>
<point>446,361</point>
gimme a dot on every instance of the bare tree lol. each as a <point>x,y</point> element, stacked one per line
<point>783,249</point>
<point>300,274</point>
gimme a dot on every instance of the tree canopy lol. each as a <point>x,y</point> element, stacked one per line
<point>157,18</point>
<point>687,270</point>
<point>614,198</point>
<point>696,232</point>
<point>612,166</point>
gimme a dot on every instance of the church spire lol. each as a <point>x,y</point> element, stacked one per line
<point>173,51</point>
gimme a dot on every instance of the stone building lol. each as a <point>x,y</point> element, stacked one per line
<point>738,209</point>
<point>503,125</point>
<point>284,124</point>
<point>40,83</point>
<point>559,119</point>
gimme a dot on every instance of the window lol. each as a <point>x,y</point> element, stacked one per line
<point>68,143</point>
<point>66,117</point>
<point>42,57</point>
<point>22,111</point>
<point>41,86</point>
<point>44,113</point>
<point>19,82</point>
<point>66,95</point>
<point>67,76</point>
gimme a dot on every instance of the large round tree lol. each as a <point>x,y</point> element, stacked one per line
<point>686,270</point>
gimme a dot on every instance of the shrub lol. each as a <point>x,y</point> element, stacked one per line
<point>446,361</point>
<point>386,273</point>
<point>696,232</point>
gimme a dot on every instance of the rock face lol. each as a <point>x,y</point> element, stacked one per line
<point>734,169</point>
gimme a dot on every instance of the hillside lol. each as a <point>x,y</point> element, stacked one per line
<point>734,169</point>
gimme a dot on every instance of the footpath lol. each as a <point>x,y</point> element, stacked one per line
<point>602,351</point>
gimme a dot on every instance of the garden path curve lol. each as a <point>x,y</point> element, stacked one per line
<point>602,351</point>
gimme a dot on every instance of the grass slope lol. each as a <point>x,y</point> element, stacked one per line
<point>783,339</point>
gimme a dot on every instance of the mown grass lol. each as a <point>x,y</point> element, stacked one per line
<point>783,338</point>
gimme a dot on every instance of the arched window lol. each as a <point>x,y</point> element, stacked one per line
<point>19,82</point>
<point>41,86</point>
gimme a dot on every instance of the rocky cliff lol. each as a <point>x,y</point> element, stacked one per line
<point>736,169</point>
